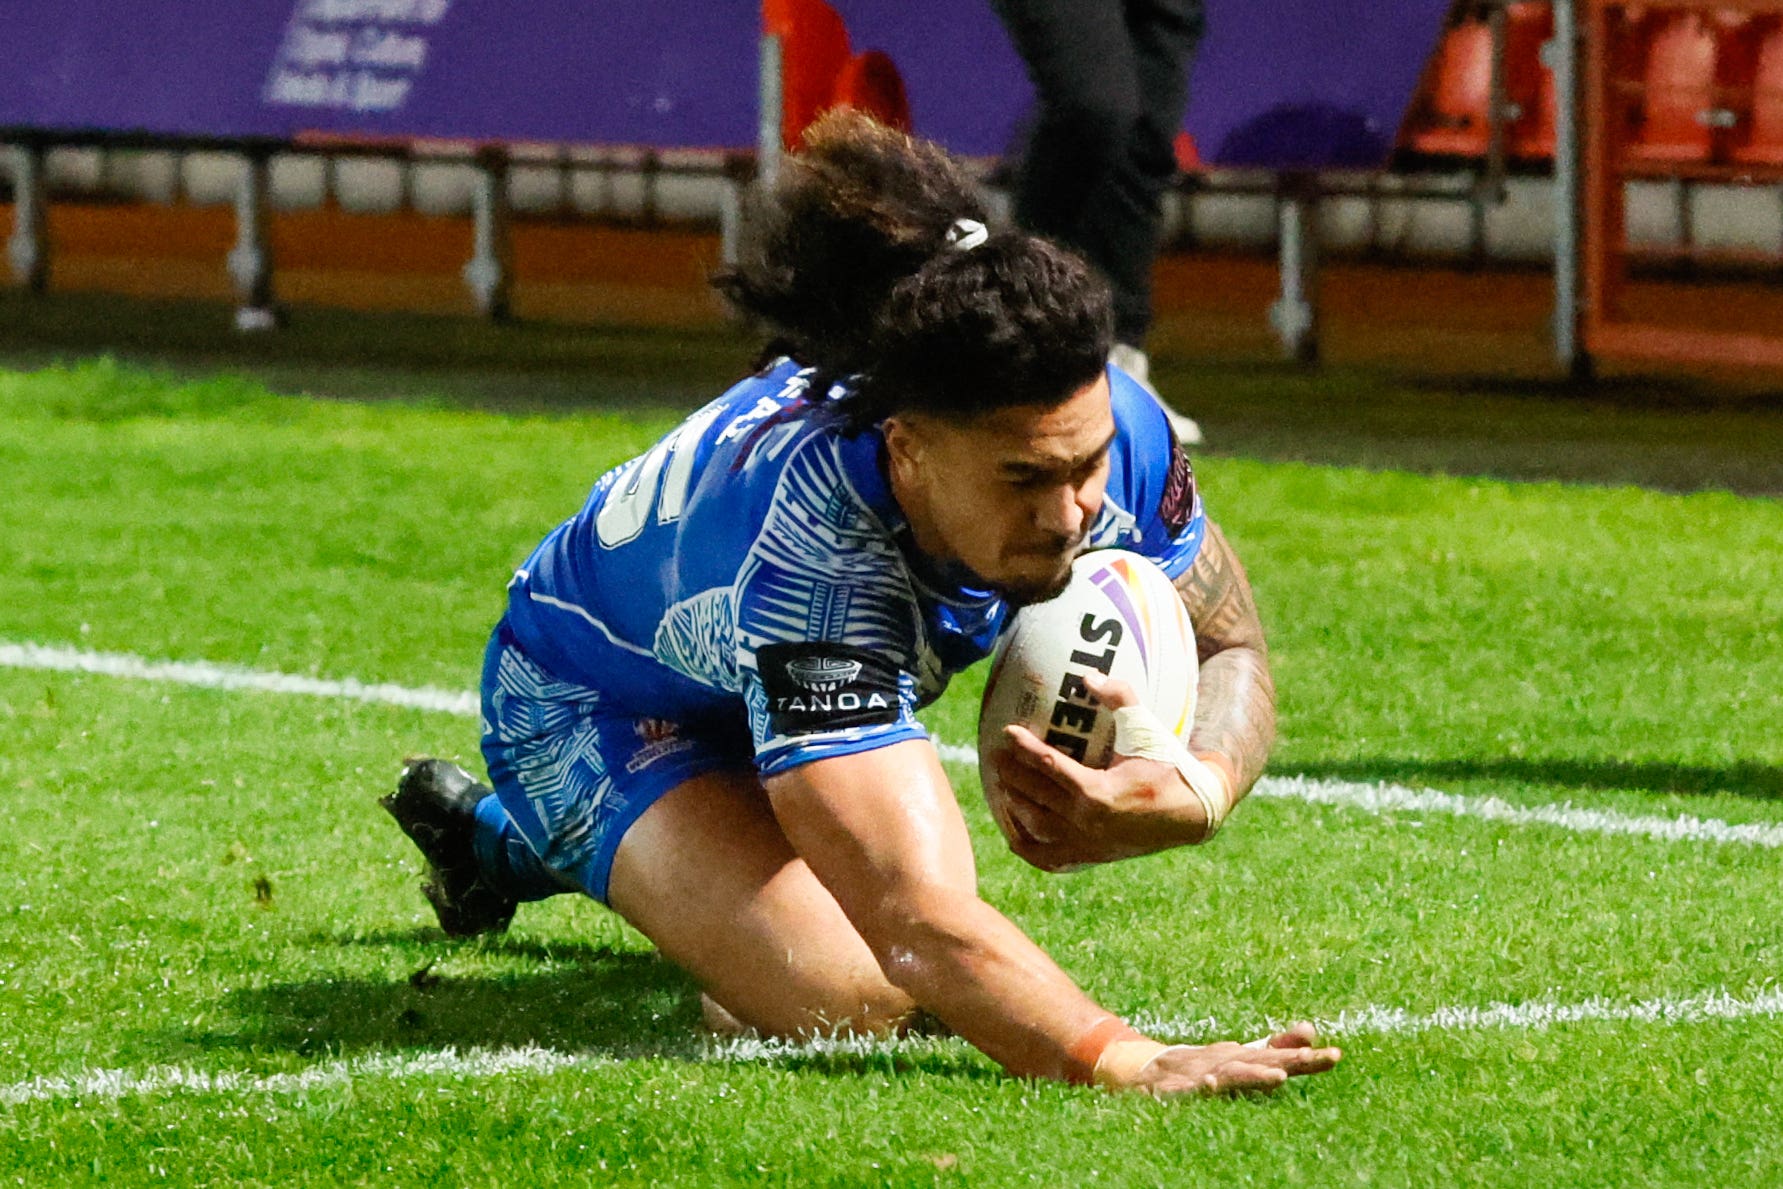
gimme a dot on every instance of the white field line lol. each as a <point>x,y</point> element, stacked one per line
<point>111,1084</point>
<point>209,676</point>
<point>1369,798</point>
<point>1536,1016</point>
<point>1392,798</point>
<point>479,1064</point>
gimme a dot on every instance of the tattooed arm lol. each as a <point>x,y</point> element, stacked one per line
<point>1235,698</point>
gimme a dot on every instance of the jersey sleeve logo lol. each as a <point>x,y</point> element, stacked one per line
<point>820,686</point>
<point>823,674</point>
<point>1177,508</point>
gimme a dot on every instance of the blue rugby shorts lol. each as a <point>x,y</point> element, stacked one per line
<point>574,771</point>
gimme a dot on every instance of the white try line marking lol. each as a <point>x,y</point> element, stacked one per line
<point>1369,798</point>
<point>1395,1021</point>
<point>209,676</point>
<point>111,1084</point>
<point>1392,798</point>
<point>476,1064</point>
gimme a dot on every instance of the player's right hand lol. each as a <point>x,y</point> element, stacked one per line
<point>1225,1067</point>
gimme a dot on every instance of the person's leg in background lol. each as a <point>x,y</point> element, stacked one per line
<point>1123,218</point>
<point>1081,58</point>
<point>1111,77</point>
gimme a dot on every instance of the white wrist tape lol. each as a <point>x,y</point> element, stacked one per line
<point>1137,732</point>
<point>1122,1062</point>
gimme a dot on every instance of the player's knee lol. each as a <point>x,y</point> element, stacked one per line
<point>867,1006</point>
<point>841,1006</point>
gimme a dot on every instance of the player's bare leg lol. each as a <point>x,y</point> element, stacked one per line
<point>707,874</point>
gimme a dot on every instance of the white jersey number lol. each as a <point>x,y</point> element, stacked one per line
<point>643,483</point>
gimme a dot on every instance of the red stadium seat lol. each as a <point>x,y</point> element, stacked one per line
<point>1759,139</point>
<point>870,82</point>
<point>818,71</point>
<point>1188,155</point>
<point>1528,84</point>
<point>813,51</point>
<point>1737,40</point>
<point>1449,117</point>
<point>1674,122</point>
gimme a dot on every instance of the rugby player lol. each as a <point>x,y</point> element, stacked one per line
<point>699,707</point>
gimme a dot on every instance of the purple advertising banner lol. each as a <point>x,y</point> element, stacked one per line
<point>664,72</point>
<point>1287,84</point>
<point>1282,84</point>
<point>1306,84</point>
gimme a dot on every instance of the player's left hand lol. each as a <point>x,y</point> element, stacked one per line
<point>1067,815</point>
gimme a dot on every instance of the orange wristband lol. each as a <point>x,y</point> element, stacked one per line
<point>1083,1054</point>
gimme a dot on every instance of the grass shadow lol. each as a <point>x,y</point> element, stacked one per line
<point>621,1004</point>
<point>514,366</point>
<point>593,1000</point>
<point>1630,393</point>
<point>1759,781</point>
<point>500,943</point>
<point>1670,434</point>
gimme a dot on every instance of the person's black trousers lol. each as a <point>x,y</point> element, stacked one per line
<point>1112,82</point>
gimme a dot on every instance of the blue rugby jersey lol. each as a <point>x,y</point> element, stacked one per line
<point>750,566</point>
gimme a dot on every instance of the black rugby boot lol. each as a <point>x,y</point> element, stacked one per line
<point>435,803</point>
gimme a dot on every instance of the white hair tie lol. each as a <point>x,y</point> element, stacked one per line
<point>966,234</point>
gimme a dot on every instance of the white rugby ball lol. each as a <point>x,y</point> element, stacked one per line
<point>1119,616</point>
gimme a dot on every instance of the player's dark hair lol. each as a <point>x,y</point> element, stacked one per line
<point>854,272</point>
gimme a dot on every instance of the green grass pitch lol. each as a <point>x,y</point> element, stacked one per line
<point>215,967</point>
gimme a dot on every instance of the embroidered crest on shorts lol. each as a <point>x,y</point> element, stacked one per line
<point>655,730</point>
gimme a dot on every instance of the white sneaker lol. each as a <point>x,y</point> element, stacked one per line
<point>1133,361</point>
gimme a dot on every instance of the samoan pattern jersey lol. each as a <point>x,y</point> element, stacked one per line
<point>755,528</point>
